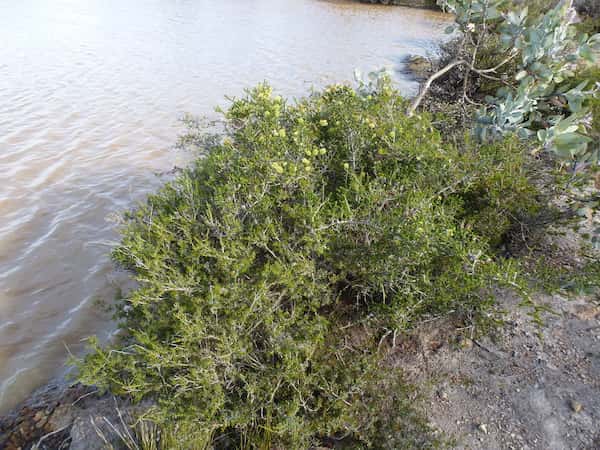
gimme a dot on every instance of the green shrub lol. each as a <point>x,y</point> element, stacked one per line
<point>589,25</point>
<point>590,74</point>
<point>271,270</point>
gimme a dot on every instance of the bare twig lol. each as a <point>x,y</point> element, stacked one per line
<point>417,101</point>
<point>485,73</point>
<point>495,68</point>
<point>37,445</point>
<point>84,396</point>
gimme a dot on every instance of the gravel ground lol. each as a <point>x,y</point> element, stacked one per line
<point>523,387</point>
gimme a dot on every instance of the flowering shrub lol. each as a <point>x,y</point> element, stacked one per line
<point>274,271</point>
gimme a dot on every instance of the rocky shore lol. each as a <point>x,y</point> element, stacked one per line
<point>62,416</point>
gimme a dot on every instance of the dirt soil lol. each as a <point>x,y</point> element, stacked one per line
<point>523,387</point>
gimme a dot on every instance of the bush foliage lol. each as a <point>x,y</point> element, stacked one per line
<point>271,271</point>
<point>530,55</point>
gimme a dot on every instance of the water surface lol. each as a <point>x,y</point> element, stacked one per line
<point>90,94</point>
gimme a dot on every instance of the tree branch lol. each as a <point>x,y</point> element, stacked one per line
<point>458,62</point>
<point>493,69</point>
<point>417,101</point>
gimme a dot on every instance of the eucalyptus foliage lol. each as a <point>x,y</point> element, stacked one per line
<point>537,99</point>
<point>276,270</point>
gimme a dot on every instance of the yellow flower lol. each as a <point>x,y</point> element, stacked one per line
<point>323,123</point>
<point>278,168</point>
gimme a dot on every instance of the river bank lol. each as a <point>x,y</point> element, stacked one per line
<point>74,157</point>
<point>521,386</point>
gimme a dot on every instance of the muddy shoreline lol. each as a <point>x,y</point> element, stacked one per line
<point>521,387</point>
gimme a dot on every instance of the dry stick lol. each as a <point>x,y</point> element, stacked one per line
<point>37,445</point>
<point>84,396</point>
<point>473,58</point>
<point>417,101</point>
<point>495,68</point>
<point>475,53</point>
<point>483,72</point>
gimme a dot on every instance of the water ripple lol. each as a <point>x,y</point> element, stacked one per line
<point>90,93</point>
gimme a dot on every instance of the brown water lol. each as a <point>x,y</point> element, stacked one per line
<point>90,94</point>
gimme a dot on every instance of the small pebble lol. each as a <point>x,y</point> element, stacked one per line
<point>576,406</point>
<point>465,343</point>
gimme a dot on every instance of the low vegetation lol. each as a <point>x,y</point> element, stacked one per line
<point>276,271</point>
<point>524,63</point>
<point>526,69</point>
<point>272,272</point>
